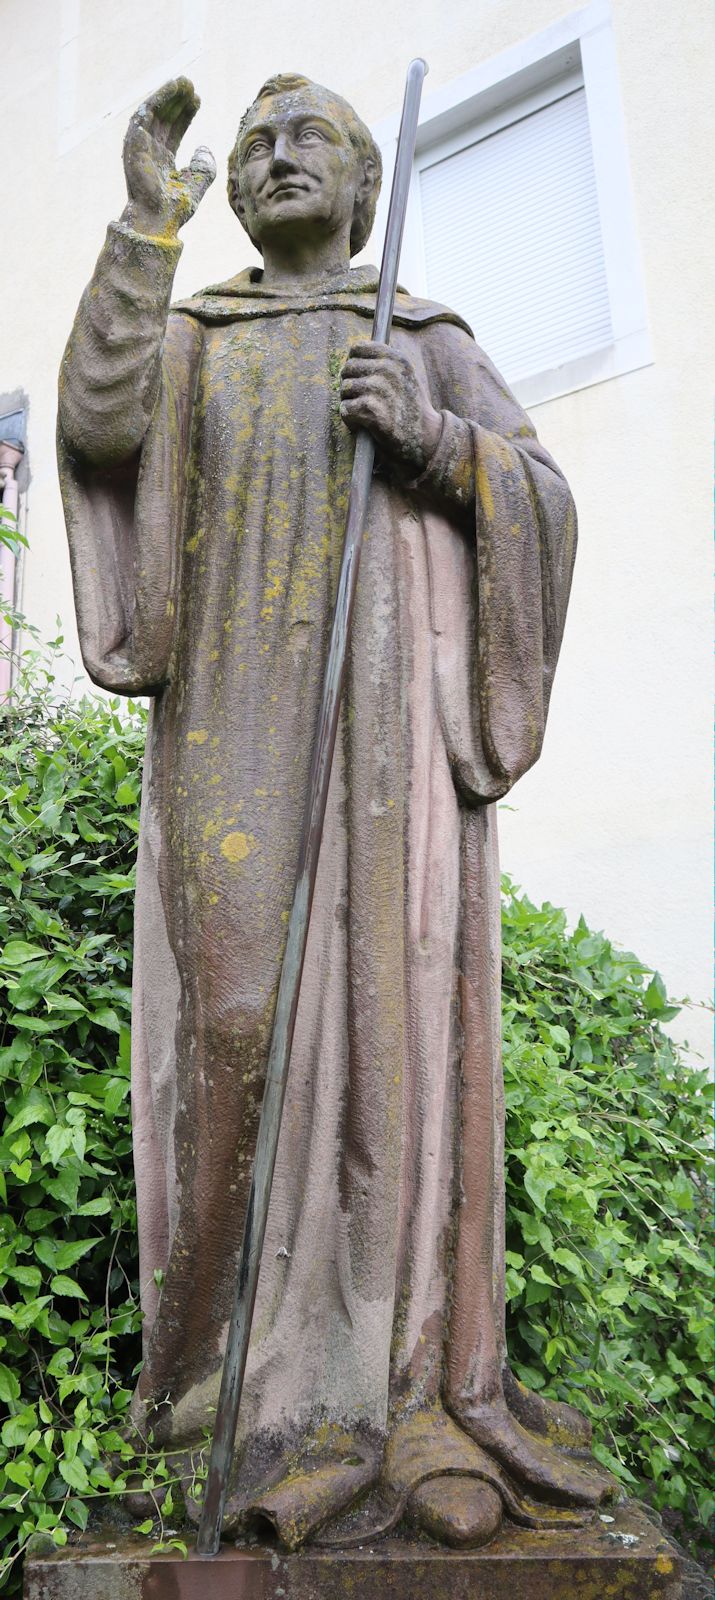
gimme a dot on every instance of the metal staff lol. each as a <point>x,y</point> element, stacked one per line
<point>209,1535</point>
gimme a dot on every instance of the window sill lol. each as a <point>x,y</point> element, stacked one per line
<point>627,354</point>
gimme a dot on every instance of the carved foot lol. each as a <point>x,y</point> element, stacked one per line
<point>559,1423</point>
<point>549,1474</point>
<point>458,1511</point>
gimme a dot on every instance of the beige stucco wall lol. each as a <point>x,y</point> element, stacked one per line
<point>615,820</point>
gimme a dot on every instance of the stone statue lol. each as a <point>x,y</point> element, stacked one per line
<point>205,455</point>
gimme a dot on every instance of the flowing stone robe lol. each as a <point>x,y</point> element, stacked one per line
<point>205,472</point>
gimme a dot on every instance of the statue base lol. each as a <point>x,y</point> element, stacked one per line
<point>627,1558</point>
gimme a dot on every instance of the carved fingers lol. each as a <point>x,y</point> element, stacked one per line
<point>381,391</point>
<point>166,114</point>
<point>199,175</point>
<point>160,198</point>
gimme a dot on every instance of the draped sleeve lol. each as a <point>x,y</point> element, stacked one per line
<point>501,532</point>
<point>127,389</point>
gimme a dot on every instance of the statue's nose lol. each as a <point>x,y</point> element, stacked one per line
<point>284,157</point>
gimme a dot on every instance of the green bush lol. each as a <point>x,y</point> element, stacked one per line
<point>69,1316</point>
<point>605,1175</point>
<point>608,1204</point>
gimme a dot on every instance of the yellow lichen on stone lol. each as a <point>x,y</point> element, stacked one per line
<point>485,491</point>
<point>275,584</point>
<point>197,736</point>
<point>236,846</point>
<point>663,1563</point>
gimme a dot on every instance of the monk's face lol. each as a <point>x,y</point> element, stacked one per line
<point>298,170</point>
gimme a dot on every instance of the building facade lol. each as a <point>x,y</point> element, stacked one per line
<point>562,202</point>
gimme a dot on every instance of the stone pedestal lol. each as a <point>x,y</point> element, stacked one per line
<point>626,1559</point>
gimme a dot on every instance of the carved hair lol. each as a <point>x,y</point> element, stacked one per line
<point>359,135</point>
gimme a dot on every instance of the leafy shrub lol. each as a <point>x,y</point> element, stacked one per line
<point>607,1204</point>
<point>69,1317</point>
<point>605,1168</point>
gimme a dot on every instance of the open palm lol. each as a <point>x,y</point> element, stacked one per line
<point>160,198</point>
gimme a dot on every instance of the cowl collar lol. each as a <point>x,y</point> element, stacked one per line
<point>245,297</point>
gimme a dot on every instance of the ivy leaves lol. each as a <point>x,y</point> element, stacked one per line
<point>69,1315</point>
<point>607,1203</point>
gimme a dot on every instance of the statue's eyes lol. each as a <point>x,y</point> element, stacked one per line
<point>308,135</point>
<point>257,147</point>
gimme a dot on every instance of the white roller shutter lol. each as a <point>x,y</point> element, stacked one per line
<point>512,239</point>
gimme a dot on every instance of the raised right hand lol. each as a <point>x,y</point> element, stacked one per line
<point>161,199</point>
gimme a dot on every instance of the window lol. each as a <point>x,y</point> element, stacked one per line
<point>520,214</point>
<point>512,237</point>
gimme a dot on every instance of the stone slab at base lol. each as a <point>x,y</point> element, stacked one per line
<point>627,1559</point>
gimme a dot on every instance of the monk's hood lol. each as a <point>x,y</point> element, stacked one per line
<point>244,297</point>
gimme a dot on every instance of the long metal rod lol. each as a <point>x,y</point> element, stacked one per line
<point>209,1535</point>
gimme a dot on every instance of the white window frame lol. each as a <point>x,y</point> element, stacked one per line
<point>579,50</point>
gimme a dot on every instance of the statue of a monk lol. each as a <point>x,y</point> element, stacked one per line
<point>205,456</point>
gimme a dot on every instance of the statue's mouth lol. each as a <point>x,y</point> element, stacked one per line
<point>288,188</point>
